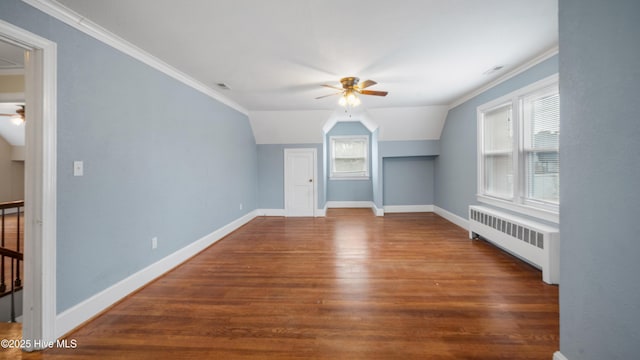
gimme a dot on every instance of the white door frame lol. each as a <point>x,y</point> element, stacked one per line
<point>315,177</point>
<point>39,295</point>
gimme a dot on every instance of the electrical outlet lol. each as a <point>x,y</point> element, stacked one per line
<point>154,242</point>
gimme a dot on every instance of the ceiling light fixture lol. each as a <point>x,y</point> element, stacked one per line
<point>349,98</point>
<point>350,90</point>
<point>17,121</point>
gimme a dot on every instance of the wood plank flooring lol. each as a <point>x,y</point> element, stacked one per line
<point>348,286</point>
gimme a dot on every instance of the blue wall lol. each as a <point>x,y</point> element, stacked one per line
<point>408,180</point>
<point>409,148</point>
<point>600,200</point>
<point>271,174</point>
<point>349,190</point>
<point>161,159</point>
<point>404,149</point>
<point>456,167</point>
<point>414,154</point>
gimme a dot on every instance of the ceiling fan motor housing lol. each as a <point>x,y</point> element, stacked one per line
<point>349,82</point>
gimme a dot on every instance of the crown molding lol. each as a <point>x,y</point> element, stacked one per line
<point>518,70</point>
<point>77,21</point>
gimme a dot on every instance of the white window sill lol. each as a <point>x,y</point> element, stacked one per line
<point>535,212</point>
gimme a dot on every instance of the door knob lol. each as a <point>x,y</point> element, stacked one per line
<point>310,180</point>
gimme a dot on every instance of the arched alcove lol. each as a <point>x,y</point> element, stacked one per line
<point>351,192</point>
<point>418,156</point>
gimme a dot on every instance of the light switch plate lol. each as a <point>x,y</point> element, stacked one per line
<point>78,168</point>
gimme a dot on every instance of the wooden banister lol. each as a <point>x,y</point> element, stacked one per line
<point>11,254</point>
<point>12,204</point>
<point>14,256</point>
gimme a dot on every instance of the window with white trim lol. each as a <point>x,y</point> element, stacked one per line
<point>349,157</point>
<point>519,150</point>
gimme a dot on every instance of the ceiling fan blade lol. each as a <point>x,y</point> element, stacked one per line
<point>324,96</point>
<point>365,84</point>
<point>8,114</point>
<point>373,92</point>
<point>332,87</point>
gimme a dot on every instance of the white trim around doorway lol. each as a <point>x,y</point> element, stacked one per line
<point>39,303</point>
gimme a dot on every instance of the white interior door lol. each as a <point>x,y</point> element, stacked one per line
<point>300,182</point>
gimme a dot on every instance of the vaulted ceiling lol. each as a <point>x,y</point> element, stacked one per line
<point>274,55</point>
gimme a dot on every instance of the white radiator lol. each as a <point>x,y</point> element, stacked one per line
<point>537,244</point>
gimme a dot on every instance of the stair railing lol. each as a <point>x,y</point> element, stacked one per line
<point>6,253</point>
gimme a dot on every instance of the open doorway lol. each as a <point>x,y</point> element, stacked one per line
<point>39,221</point>
<point>12,180</point>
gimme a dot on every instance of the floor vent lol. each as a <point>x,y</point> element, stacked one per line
<point>538,244</point>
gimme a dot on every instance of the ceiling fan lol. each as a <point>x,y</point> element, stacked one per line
<point>350,87</point>
<point>18,117</point>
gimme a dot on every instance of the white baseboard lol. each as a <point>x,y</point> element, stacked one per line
<point>462,222</point>
<point>75,316</point>
<point>349,204</point>
<point>558,356</point>
<point>270,212</point>
<point>281,212</point>
<point>407,208</point>
<point>376,210</point>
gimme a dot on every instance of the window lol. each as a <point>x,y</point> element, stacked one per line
<point>519,150</point>
<point>541,116</point>
<point>349,157</point>
<point>498,152</point>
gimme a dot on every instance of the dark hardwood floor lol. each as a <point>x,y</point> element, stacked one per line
<point>348,286</point>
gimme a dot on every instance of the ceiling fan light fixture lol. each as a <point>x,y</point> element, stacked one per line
<point>349,98</point>
<point>17,121</point>
<point>350,90</point>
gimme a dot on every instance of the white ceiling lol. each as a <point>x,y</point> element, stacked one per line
<point>274,55</point>
<point>11,57</point>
